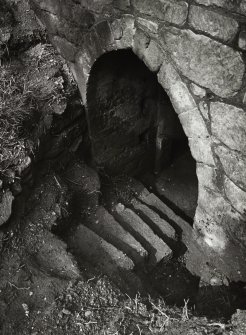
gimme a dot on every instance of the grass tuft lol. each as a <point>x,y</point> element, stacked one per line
<point>16,106</point>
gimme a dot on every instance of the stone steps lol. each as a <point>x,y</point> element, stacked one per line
<point>105,225</point>
<point>159,226</point>
<point>157,249</point>
<point>87,245</point>
<point>131,235</point>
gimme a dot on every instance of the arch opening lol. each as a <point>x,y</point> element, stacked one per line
<point>135,130</point>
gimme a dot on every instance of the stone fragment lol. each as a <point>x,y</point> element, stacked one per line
<point>234,165</point>
<point>216,25</point>
<point>242,40</point>
<point>228,125</point>
<point>6,206</point>
<point>206,62</point>
<point>235,195</point>
<point>64,47</point>
<point>147,25</point>
<point>110,230</point>
<point>166,10</point>
<point>197,90</point>
<point>203,106</point>
<point>157,248</point>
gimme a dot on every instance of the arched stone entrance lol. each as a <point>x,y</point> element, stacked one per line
<point>134,128</point>
<point>202,73</point>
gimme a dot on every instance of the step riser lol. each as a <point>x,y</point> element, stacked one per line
<point>104,225</point>
<point>159,226</point>
<point>156,247</point>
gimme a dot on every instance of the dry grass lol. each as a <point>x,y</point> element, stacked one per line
<point>16,106</point>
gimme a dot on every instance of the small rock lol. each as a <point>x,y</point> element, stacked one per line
<point>6,207</point>
<point>9,177</point>
<point>24,163</point>
<point>87,314</point>
<point>197,90</point>
<point>242,40</point>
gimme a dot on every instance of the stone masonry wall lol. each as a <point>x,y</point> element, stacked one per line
<point>197,48</point>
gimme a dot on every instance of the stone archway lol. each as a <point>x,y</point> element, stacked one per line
<point>200,69</point>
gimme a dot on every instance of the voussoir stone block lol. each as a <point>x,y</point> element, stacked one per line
<point>128,29</point>
<point>167,10</point>
<point>147,25</point>
<point>228,125</point>
<point>206,62</point>
<point>64,47</point>
<point>153,56</point>
<point>234,164</point>
<point>222,27</point>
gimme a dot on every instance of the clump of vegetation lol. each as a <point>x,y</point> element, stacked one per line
<point>16,105</point>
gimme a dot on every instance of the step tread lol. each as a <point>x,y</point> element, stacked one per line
<point>154,220</point>
<point>154,202</point>
<point>87,245</point>
<point>110,230</point>
<point>157,248</point>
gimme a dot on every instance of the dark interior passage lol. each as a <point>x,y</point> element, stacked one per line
<point>134,129</point>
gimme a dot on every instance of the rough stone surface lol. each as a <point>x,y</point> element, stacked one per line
<point>156,247</point>
<point>53,258</point>
<point>185,106</point>
<point>233,164</point>
<point>242,40</point>
<point>167,10</point>
<point>88,244</point>
<point>107,227</point>
<point>222,27</point>
<point>159,225</point>
<point>203,106</point>
<point>65,48</point>
<point>228,125</point>
<point>147,25</point>
<point>154,202</point>
<point>127,24</point>
<point>6,206</point>
<point>197,90</point>
<point>207,176</point>
<point>204,61</point>
<point>228,4</point>
<point>152,56</point>
<point>235,195</point>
